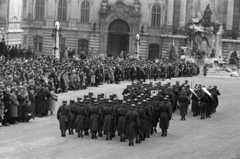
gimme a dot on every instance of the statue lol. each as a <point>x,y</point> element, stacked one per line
<point>206,20</point>
<point>136,7</point>
<point>104,6</point>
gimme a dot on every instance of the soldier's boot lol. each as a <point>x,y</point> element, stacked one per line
<point>110,135</point>
<point>69,131</point>
<point>72,132</point>
<point>62,133</point>
<point>124,137</point>
<point>100,134</point>
<point>155,129</point>
<point>162,133</point>
<point>142,137</point>
<point>121,137</point>
<point>86,133</point>
<point>95,135</point>
<point>130,142</point>
<point>137,140</point>
<point>92,135</point>
<point>106,135</point>
<point>165,132</point>
<point>79,135</point>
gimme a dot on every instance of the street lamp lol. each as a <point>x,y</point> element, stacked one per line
<point>56,36</point>
<point>137,44</point>
<point>3,32</point>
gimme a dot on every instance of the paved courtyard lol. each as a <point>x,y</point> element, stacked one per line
<point>214,138</point>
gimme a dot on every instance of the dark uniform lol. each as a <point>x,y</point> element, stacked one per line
<point>133,124</point>
<point>183,102</point>
<point>108,120</point>
<point>63,116</point>
<point>80,114</point>
<point>72,107</point>
<point>165,116</point>
<point>121,121</point>
<point>93,122</point>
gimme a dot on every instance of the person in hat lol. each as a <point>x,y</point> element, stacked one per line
<point>142,122</point>
<point>87,105</point>
<point>53,100</point>
<point>80,114</point>
<point>133,124</point>
<point>14,105</point>
<point>121,121</point>
<point>108,114</point>
<point>63,117</point>
<point>7,107</point>
<point>94,112</point>
<point>1,107</point>
<point>165,116</point>
<point>101,106</point>
<point>183,103</point>
<point>72,107</point>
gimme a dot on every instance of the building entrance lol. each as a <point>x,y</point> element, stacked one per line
<point>118,37</point>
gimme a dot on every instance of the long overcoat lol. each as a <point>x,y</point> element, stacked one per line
<point>133,124</point>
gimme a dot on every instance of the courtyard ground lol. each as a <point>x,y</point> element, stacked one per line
<point>214,138</point>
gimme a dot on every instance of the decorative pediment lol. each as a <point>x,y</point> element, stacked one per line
<point>121,8</point>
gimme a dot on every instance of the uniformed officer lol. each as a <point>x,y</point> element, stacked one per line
<point>165,116</point>
<point>63,117</point>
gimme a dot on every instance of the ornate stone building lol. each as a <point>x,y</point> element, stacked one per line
<point>110,26</point>
<point>10,21</point>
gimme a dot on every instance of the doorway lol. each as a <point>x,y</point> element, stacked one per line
<point>118,37</point>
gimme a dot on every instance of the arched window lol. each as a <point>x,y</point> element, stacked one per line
<point>62,10</point>
<point>156,15</point>
<point>39,12</point>
<point>38,43</point>
<point>154,52</point>
<point>82,46</point>
<point>85,8</point>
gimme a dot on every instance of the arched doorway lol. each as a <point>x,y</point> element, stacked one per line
<point>153,52</point>
<point>118,37</point>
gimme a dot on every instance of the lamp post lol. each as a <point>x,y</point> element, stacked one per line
<point>3,32</point>
<point>137,44</point>
<point>56,35</point>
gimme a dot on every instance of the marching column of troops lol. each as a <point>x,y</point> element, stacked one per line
<point>137,115</point>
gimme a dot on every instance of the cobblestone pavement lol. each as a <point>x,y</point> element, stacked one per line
<point>214,138</point>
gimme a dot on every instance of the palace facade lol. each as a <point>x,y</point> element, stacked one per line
<point>110,26</point>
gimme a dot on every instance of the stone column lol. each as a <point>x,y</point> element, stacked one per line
<point>183,9</point>
<point>230,10</point>
<point>170,12</point>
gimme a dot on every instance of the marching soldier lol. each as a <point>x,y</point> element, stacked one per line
<point>93,122</point>
<point>121,121</point>
<point>80,114</point>
<point>183,102</point>
<point>72,107</point>
<point>108,113</point>
<point>133,124</point>
<point>165,116</point>
<point>62,116</point>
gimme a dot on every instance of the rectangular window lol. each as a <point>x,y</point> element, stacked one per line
<point>62,44</point>
<point>39,12</point>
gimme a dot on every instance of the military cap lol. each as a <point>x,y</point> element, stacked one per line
<point>133,105</point>
<point>144,101</point>
<point>124,102</point>
<point>109,101</point>
<point>81,101</point>
<point>64,102</point>
<point>129,100</point>
<point>135,99</point>
<point>139,103</point>
<point>79,98</point>
<point>72,101</point>
<point>165,99</point>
